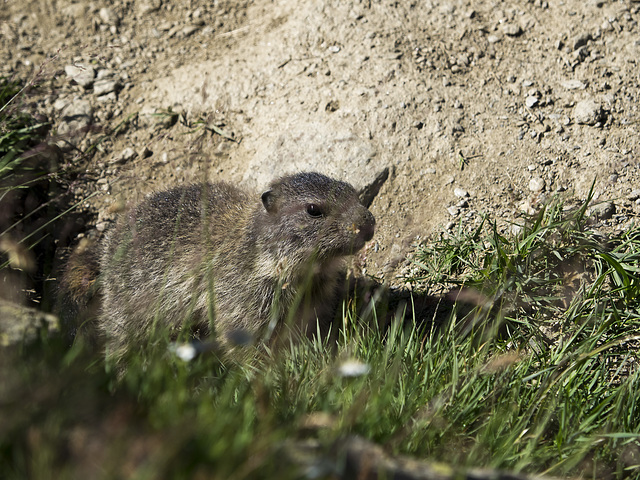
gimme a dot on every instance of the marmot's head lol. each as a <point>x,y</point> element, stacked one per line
<point>312,215</point>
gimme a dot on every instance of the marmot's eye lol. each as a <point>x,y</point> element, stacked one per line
<point>314,210</point>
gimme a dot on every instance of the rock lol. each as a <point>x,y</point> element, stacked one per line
<point>511,29</point>
<point>531,101</point>
<point>581,40</point>
<point>516,229</point>
<point>527,208</point>
<point>109,97</point>
<point>126,155</point>
<point>83,75</point>
<point>104,74</point>
<point>189,30</point>
<point>608,99</point>
<point>145,152</point>
<point>109,16</point>
<point>102,87</point>
<point>587,112</point>
<point>19,18</point>
<point>580,55</point>
<point>61,103</point>
<point>453,210</point>
<point>20,324</point>
<point>148,6</point>
<point>78,108</point>
<point>602,211</point>
<point>573,85</point>
<point>537,184</point>
<point>634,195</point>
<point>76,116</point>
<point>459,192</point>
<point>74,10</point>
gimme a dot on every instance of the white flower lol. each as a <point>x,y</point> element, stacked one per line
<point>353,368</point>
<point>184,351</point>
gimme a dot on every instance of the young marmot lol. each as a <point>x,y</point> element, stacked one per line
<point>213,257</point>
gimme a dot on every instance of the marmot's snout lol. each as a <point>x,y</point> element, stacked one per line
<point>363,230</point>
<point>368,228</point>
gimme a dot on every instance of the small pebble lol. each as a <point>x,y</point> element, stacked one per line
<point>516,229</point>
<point>536,184</point>
<point>527,208</point>
<point>102,87</point>
<point>104,74</point>
<point>531,101</point>
<point>145,152</point>
<point>126,155</point>
<point>459,192</point>
<point>148,6</point>
<point>634,195</point>
<point>61,103</point>
<point>189,30</point>
<point>83,75</point>
<point>76,109</point>
<point>573,85</point>
<point>108,16</point>
<point>511,30</point>
<point>602,211</point>
<point>109,97</point>
<point>587,112</point>
<point>453,210</point>
<point>581,40</point>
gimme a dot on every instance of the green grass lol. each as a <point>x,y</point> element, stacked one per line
<point>537,374</point>
<point>19,131</point>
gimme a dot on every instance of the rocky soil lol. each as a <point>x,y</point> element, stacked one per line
<point>446,110</point>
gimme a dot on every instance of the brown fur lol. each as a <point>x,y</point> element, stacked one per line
<point>214,257</point>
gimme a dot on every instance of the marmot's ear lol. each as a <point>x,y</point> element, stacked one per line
<point>269,201</point>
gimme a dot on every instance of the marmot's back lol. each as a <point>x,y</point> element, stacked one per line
<point>212,252</point>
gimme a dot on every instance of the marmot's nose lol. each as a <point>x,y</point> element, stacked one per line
<point>368,228</point>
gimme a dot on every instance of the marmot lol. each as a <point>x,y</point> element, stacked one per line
<point>213,257</point>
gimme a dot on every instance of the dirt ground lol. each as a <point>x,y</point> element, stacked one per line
<point>475,107</point>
